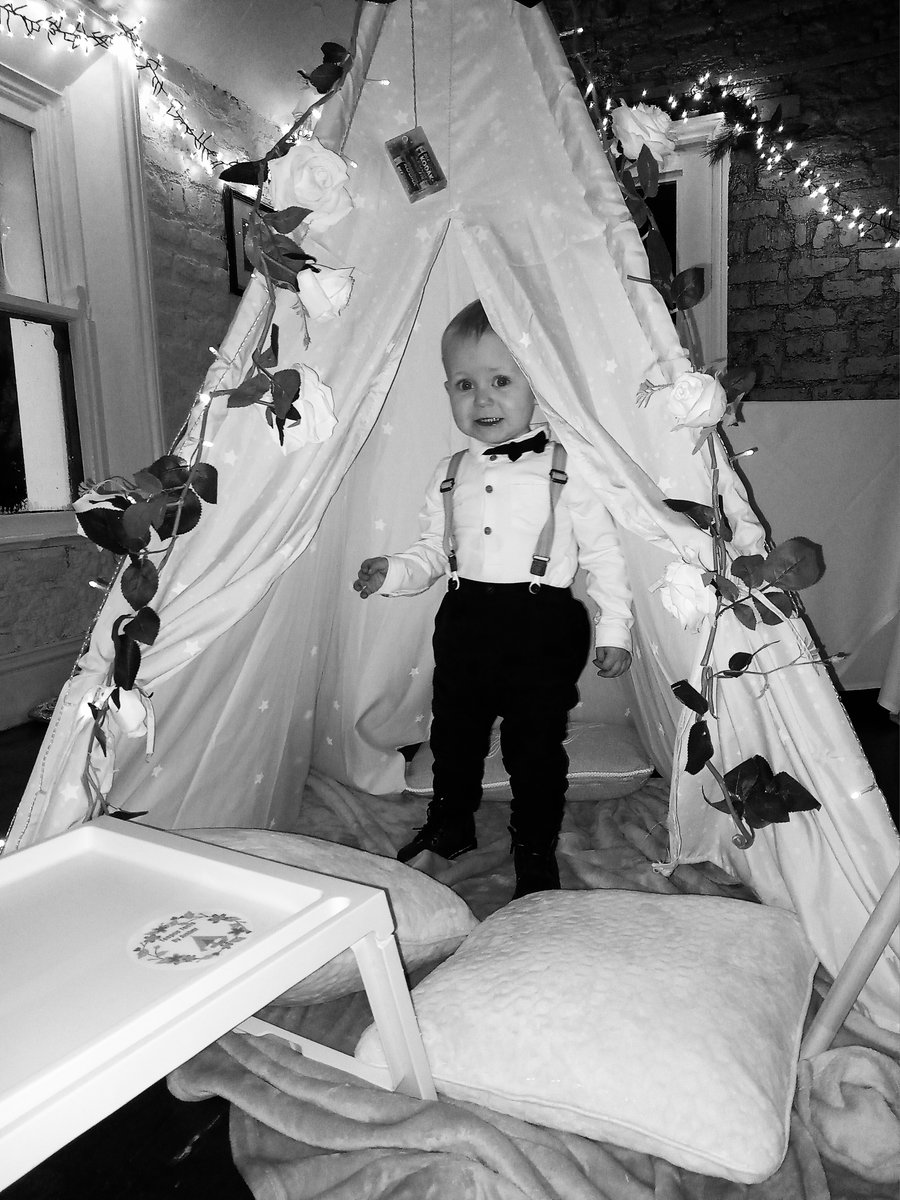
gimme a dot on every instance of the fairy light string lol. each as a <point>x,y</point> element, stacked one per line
<point>777,156</point>
<point>745,127</point>
<point>71,33</point>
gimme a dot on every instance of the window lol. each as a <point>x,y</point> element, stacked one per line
<point>74,290</point>
<point>40,447</point>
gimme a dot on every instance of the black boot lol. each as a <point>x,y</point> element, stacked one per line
<point>445,832</point>
<point>536,867</point>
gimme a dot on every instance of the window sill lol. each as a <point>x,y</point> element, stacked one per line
<point>24,529</point>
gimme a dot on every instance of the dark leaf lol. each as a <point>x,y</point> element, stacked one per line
<point>648,172</point>
<point>140,581</point>
<point>147,482</point>
<point>191,511</point>
<point>99,735</point>
<point>277,255</point>
<point>700,749</point>
<point>127,661</point>
<point>169,470</point>
<point>782,601</point>
<point>104,527</point>
<point>690,697</point>
<point>740,661</point>
<point>737,382</point>
<point>286,220</point>
<point>688,287</point>
<point>752,773</point>
<point>794,564</point>
<point>334,52</point>
<point>253,173</point>
<point>726,588</point>
<point>285,390</point>
<point>250,391</point>
<point>123,814</point>
<point>748,568</point>
<point>701,514</point>
<point>724,523</point>
<point>795,795</point>
<point>324,77</point>
<point>143,626</point>
<point>205,481</point>
<point>137,523</point>
<point>765,613</point>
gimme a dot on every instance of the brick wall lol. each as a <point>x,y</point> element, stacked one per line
<point>812,305</point>
<point>190,267</point>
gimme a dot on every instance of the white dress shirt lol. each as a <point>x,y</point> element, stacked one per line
<point>499,510</point>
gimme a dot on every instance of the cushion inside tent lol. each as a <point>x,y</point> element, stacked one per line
<point>268,673</point>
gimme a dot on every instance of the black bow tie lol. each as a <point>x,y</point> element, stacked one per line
<point>516,449</point>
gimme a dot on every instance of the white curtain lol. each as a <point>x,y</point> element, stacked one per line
<point>268,664</point>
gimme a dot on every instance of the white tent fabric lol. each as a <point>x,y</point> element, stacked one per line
<point>267,664</point>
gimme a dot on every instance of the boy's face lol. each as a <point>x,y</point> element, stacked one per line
<point>490,398</point>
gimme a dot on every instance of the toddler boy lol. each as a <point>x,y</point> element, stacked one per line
<point>510,640</point>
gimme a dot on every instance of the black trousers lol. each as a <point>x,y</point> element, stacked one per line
<point>503,651</point>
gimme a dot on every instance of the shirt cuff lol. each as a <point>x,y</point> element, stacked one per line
<point>613,633</point>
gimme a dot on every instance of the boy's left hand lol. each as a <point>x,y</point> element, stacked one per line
<point>612,661</point>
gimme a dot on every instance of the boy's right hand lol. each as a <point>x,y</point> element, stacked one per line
<point>372,573</point>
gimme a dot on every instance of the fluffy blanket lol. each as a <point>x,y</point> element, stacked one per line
<point>304,1131</point>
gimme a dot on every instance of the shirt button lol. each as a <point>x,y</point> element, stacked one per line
<point>493,458</point>
<point>488,488</point>
<point>487,529</point>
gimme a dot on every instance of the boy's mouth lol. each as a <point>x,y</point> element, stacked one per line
<point>488,420</point>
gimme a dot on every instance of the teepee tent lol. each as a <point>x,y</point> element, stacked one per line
<point>267,666</point>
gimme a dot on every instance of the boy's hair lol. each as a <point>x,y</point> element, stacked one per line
<point>469,322</point>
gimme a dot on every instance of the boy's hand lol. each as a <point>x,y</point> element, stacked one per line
<point>372,572</point>
<point>611,661</point>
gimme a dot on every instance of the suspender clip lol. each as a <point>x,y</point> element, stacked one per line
<point>557,476</point>
<point>539,564</point>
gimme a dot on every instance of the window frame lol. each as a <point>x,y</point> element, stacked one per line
<point>93,219</point>
<point>701,217</point>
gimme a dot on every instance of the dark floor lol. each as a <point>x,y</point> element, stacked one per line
<point>157,1147</point>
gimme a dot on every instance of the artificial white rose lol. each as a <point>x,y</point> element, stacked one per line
<point>643,125</point>
<point>127,707</point>
<point>325,291</point>
<point>311,176</point>
<point>315,404</point>
<point>697,401</point>
<point>685,595</point>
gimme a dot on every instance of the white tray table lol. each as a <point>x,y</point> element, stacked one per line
<point>125,950</point>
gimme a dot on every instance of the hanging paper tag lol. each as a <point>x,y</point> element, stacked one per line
<point>415,164</point>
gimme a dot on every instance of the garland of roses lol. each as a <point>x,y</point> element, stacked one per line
<point>140,519</point>
<point>755,589</point>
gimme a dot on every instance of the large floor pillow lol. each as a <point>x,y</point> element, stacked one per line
<point>669,1025</point>
<point>431,920</point>
<point>605,762</point>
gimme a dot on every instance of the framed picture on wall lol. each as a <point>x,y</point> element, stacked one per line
<point>237,214</point>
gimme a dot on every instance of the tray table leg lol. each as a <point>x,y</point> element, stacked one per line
<point>382,974</point>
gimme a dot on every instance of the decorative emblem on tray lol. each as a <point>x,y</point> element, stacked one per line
<point>190,937</point>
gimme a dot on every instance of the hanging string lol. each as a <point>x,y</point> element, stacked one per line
<point>412,36</point>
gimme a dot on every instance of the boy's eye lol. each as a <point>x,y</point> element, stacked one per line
<point>463,385</point>
<point>501,381</point>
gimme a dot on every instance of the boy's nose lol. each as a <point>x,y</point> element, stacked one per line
<point>483,396</point>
